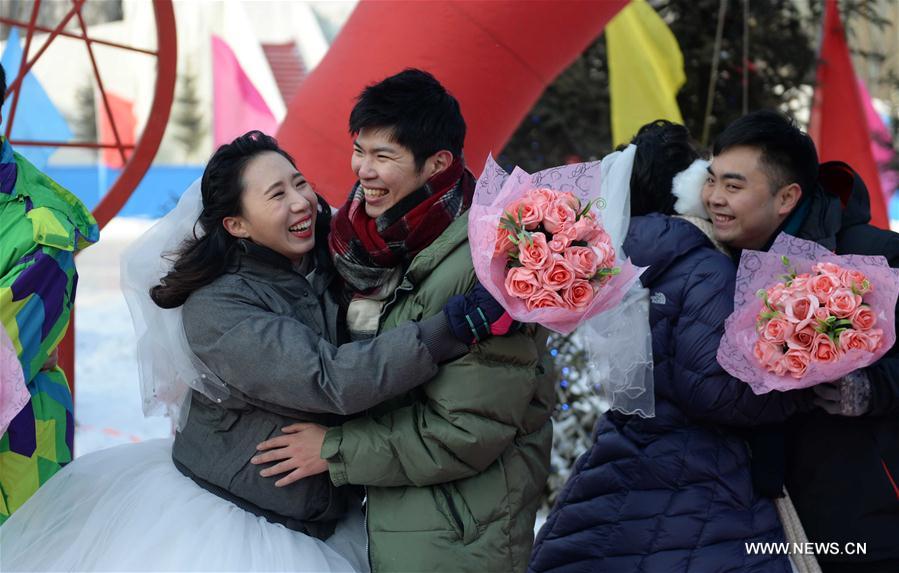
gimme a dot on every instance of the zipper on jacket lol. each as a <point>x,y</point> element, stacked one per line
<point>406,286</point>
<point>452,507</point>
<point>367,536</point>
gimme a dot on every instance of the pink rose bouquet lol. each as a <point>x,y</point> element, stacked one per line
<point>539,245</point>
<point>804,315</point>
<point>557,253</point>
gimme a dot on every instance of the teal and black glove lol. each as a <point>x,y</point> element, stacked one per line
<point>477,316</point>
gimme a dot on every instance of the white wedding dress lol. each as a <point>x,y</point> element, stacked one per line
<point>128,508</point>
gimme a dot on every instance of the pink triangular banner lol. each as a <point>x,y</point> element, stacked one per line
<point>238,105</point>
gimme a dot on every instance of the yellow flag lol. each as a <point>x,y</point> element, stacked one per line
<point>646,70</point>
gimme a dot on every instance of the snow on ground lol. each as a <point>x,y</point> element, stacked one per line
<point>107,393</point>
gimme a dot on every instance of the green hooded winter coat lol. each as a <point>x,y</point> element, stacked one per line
<point>454,468</point>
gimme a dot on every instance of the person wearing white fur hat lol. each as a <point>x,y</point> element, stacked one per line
<point>673,493</point>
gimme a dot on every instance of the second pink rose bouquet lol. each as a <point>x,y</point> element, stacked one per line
<point>804,316</point>
<point>540,247</point>
<point>815,317</point>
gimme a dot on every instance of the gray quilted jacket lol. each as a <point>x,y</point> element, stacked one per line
<point>271,333</point>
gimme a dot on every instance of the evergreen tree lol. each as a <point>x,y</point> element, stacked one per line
<point>190,129</point>
<point>85,121</point>
<point>571,120</point>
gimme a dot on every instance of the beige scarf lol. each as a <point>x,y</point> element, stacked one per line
<point>363,316</point>
<point>707,229</point>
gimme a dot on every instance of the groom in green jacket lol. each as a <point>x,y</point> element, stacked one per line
<point>454,469</point>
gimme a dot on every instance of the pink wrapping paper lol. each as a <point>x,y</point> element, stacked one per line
<point>13,392</point>
<point>760,270</point>
<point>495,190</point>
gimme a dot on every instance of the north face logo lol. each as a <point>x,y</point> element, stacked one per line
<point>658,298</point>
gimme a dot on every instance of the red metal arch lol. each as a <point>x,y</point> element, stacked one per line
<point>143,152</point>
<point>135,158</point>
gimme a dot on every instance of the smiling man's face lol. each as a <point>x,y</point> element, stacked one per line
<point>741,199</point>
<point>386,170</point>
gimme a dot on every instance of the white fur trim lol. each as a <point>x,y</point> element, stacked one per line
<point>687,187</point>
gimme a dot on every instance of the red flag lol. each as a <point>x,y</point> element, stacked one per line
<point>839,125</point>
<point>125,123</point>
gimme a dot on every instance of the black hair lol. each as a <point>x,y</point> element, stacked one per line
<point>200,260</point>
<point>787,154</point>
<point>2,84</point>
<point>663,151</point>
<point>417,110</point>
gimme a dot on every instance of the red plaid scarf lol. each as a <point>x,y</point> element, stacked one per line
<point>367,251</point>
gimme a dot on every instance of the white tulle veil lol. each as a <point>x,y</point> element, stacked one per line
<point>167,367</point>
<point>619,342</point>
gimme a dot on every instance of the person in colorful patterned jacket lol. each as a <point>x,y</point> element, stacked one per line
<point>42,226</point>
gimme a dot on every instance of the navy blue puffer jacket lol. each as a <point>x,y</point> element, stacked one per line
<point>673,493</point>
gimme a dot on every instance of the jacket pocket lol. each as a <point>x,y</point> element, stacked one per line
<point>206,445</point>
<point>311,499</point>
<point>248,433</point>
<point>457,512</point>
<point>52,228</point>
<point>225,420</point>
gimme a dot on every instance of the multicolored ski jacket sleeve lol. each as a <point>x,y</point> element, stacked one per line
<point>42,226</point>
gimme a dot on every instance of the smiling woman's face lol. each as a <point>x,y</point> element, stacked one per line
<point>278,207</point>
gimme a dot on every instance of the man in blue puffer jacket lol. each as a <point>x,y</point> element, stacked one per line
<point>672,493</point>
